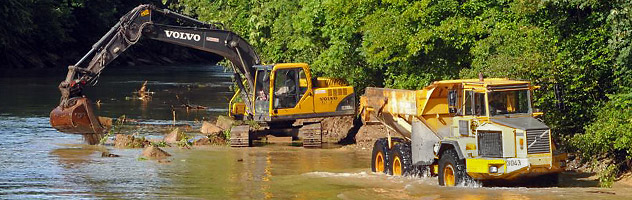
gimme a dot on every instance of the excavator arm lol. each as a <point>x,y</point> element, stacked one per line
<point>74,113</point>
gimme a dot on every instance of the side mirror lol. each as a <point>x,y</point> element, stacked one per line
<point>452,101</point>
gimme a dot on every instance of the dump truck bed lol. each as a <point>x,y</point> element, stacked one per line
<point>396,108</point>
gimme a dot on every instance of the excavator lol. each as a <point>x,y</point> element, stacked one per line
<point>272,95</point>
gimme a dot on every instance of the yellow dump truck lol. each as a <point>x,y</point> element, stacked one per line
<point>481,129</point>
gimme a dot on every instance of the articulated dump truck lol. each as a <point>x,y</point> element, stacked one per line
<point>480,129</point>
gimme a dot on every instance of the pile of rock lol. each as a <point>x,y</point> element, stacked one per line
<point>129,141</point>
<point>215,132</point>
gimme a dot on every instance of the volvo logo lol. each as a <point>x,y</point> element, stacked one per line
<point>183,35</point>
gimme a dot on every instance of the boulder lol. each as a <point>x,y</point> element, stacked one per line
<point>106,122</point>
<point>202,141</point>
<point>154,153</point>
<point>174,136</point>
<point>224,122</point>
<point>210,129</point>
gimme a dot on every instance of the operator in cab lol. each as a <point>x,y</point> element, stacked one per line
<point>287,92</point>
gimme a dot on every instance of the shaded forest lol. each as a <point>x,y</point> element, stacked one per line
<point>577,50</point>
<point>49,35</point>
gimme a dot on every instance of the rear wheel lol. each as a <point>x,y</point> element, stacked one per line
<point>451,169</point>
<point>380,156</point>
<point>401,164</point>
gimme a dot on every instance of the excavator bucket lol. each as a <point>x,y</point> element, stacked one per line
<point>78,119</point>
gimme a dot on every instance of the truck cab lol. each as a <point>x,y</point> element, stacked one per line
<point>496,130</point>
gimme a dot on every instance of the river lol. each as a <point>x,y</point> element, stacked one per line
<point>37,162</point>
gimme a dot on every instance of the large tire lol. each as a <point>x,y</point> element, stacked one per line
<point>451,169</point>
<point>401,162</point>
<point>380,156</point>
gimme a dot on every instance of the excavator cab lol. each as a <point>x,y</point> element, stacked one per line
<point>291,92</point>
<point>282,91</point>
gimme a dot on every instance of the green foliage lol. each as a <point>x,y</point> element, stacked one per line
<point>609,136</point>
<point>226,134</point>
<point>160,144</point>
<point>253,124</point>
<point>620,22</point>
<point>115,129</point>
<point>611,131</point>
<point>608,175</point>
<point>184,142</point>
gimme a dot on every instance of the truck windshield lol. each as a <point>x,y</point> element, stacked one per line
<point>509,102</point>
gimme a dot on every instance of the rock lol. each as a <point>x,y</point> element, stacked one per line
<point>155,153</point>
<point>164,161</point>
<point>106,122</point>
<point>128,141</point>
<point>106,154</point>
<point>224,122</point>
<point>202,141</point>
<point>210,129</point>
<point>174,136</point>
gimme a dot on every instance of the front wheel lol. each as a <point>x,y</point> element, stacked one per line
<point>451,169</point>
<point>380,156</point>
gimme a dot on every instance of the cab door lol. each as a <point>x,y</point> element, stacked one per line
<point>291,91</point>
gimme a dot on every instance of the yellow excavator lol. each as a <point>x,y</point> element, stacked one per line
<point>273,95</point>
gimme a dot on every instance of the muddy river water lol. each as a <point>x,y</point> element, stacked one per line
<point>37,162</point>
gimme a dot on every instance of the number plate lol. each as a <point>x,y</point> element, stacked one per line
<point>514,164</point>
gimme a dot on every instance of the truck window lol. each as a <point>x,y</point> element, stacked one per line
<point>287,89</point>
<point>468,102</point>
<point>474,103</point>
<point>509,102</point>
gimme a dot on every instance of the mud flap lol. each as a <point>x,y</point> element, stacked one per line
<point>240,136</point>
<point>311,134</point>
<point>422,140</point>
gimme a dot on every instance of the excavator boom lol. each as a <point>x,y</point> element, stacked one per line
<point>74,113</point>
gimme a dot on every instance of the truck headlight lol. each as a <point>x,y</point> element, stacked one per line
<point>493,169</point>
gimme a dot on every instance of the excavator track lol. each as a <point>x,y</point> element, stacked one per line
<point>312,135</point>
<point>240,136</point>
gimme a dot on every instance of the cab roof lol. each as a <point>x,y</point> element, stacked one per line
<point>487,81</point>
<point>476,82</point>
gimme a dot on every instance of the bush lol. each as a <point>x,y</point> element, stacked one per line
<point>610,134</point>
